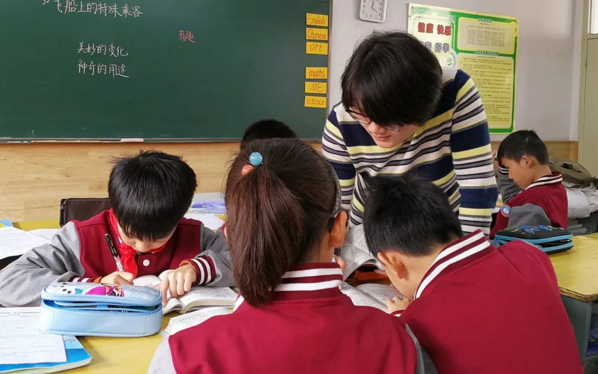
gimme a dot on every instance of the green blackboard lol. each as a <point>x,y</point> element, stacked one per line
<point>177,69</point>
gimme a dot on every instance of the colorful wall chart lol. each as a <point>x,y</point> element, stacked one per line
<point>482,45</point>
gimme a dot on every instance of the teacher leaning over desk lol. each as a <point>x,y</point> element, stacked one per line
<point>401,111</point>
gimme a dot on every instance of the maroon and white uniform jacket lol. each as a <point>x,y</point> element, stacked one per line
<point>309,326</point>
<point>480,309</point>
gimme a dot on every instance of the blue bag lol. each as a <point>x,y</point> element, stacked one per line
<point>549,239</point>
<point>92,309</point>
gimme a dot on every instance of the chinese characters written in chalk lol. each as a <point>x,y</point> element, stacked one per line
<point>99,69</point>
<point>429,29</point>
<point>186,36</point>
<point>72,6</point>
<point>102,49</point>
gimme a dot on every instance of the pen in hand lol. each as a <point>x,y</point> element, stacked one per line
<point>112,248</point>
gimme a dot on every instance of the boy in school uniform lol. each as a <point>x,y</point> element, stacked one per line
<point>473,307</point>
<point>143,234</point>
<point>532,193</point>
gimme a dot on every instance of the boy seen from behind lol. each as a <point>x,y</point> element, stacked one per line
<point>149,195</point>
<point>473,307</point>
<point>532,193</point>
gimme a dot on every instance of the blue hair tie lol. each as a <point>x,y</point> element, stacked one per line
<point>256,159</point>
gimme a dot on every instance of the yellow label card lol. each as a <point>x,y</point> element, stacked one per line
<point>316,34</point>
<point>315,102</point>
<point>316,73</point>
<point>315,87</point>
<point>312,48</point>
<point>317,19</point>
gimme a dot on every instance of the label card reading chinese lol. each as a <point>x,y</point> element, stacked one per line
<point>315,87</point>
<point>315,102</point>
<point>317,20</point>
<point>312,48</point>
<point>316,73</point>
<point>316,34</point>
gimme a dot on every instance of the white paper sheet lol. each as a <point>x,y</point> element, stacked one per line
<point>209,220</point>
<point>15,242</point>
<point>21,342</point>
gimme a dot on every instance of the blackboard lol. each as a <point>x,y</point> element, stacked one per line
<point>154,69</point>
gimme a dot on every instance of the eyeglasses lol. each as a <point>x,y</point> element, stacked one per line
<point>365,121</point>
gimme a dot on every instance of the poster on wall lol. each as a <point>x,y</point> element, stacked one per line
<point>482,45</point>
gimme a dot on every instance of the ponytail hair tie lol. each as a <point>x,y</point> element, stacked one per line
<point>255,159</point>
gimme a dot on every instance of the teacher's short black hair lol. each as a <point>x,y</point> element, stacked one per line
<point>408,215</point>
<point>521,143</point>
<point>392,78</point>
<point>150,193</point>
<point>266,129</point>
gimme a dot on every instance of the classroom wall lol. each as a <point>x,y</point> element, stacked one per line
<point>548,61</point>
<point>34,177</point>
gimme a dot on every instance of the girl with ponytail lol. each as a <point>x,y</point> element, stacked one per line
<point>284,221</point>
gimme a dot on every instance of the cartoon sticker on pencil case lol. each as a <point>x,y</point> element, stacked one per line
<point>107,290</point>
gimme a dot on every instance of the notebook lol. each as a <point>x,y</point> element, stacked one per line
<point>15,242</point>
<point>76,356</point>
<point>370,294</point>
<point>24,348</point>
<point>188,320</point>
<point>198,297</point>
<point>355,252</point>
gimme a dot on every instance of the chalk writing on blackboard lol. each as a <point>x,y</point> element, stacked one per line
<point>106,69</point>
<point>101,49</point>
<point>186,36</point>
<point>72,6</point>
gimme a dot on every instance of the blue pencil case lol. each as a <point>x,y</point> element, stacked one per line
<point>92,309</point>
<point>549,239</point>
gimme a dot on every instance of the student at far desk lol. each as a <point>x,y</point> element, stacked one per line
<point>266,129</point>
<point>532,193</point>
<point>149,195</point>
<point>474,308</point>
<point>284,221</point>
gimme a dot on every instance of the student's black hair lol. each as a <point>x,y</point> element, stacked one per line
<point>266,129</point>
<point>408,215</point>
<point>150,193</point>
<point>521,143</point>
<point>278,213</point>
<point>392,78</point>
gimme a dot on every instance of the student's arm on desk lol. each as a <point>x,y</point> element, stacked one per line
<point>162,361</point>
<point>23,280</point>
<point>214,246</point>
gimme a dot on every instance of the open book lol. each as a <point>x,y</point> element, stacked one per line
<point>370,294</point>
<point>198,297</point>
<point>186,321</point>
<point>355,252</point>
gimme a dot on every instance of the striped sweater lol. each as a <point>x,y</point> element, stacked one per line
<point>452,150</point>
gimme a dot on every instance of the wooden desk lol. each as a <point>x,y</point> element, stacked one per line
<point>121,355</point>
<point>577,269</point>
<point>577,274</point>
<point>35,225</point>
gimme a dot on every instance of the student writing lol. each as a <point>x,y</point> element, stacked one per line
<point>474,308</point>
<point>284,221</point>
<point>149,195</point>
